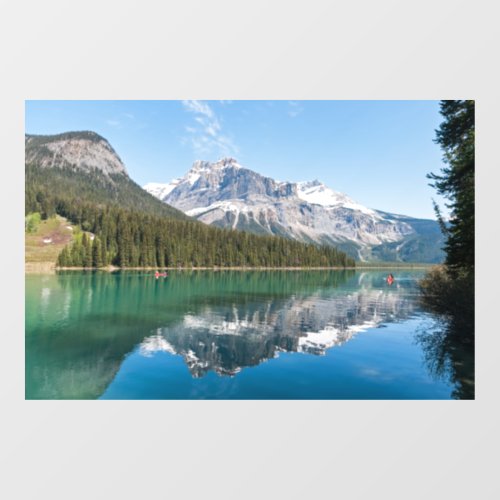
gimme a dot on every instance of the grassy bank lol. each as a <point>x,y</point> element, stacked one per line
<point>43,242</point>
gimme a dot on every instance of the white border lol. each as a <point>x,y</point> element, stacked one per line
<point>253,50</point>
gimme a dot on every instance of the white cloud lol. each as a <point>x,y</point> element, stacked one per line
<point>205,133</point>
<point>295,109</point>
<point>198,107</point>
<point>113,123</point>
<point>213,128</point>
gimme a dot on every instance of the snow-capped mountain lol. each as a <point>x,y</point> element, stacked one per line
<point>227,194</point>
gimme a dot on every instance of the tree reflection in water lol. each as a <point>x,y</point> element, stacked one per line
<point>448,348</point>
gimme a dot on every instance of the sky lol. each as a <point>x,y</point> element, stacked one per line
<point>376,152</point>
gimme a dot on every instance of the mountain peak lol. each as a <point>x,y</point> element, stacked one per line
<point>206,166</point>
<point>227,161</point>
<point>85,150</point>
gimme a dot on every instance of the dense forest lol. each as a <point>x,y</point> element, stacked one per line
<point>132,229</point>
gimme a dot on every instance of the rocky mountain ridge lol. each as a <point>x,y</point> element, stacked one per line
<point>85,151</point>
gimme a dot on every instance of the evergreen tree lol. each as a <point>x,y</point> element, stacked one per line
<point>87,251</point>
<point>97,260</point>
<point>104,253</point>
<point>64,259</point>
<point>456,182</point>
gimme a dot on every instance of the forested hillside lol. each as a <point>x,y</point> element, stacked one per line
<point>130,239</point>
<point>44,187</point>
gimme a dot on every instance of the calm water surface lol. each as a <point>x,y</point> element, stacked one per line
<point>234,335</point>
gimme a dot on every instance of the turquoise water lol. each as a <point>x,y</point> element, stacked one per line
<point>231,335</point>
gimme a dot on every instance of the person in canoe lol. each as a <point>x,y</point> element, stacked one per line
<point>160,275</point>
<point>390,279</point>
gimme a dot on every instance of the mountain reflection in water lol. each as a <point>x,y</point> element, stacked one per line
<point>127,334</point>
<point>228,340</point>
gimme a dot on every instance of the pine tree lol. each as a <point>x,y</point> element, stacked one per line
<point>96,253</point>
<point>64,258</point>
<point>456,182</point>
<point>87,251</point>
<point>104,254</point>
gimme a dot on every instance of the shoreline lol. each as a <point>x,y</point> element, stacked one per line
<point>51,268</point>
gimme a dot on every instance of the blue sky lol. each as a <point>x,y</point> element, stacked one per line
<point>376,152</point>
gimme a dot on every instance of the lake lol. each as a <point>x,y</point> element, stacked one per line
<point>237,335</point>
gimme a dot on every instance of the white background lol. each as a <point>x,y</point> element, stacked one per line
<point>243,50</point>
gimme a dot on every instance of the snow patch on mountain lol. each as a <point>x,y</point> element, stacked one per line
<point>317,193</point>
<point>161,191</point>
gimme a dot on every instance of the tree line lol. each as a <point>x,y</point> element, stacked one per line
<point>130,239</point>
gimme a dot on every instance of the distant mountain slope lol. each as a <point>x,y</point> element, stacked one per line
<point>83,166</point>
<point>226,194</point>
